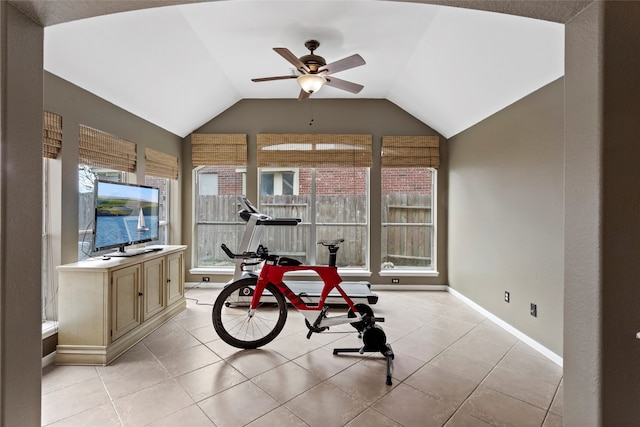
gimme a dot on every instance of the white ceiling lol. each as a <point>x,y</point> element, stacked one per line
<point>180,66</point>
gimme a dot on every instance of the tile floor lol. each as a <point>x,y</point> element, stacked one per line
<point>452,368</point>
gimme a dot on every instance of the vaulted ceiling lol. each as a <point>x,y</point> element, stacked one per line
<point>180,65</point>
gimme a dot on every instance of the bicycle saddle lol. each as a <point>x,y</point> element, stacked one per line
<point>334,242</point>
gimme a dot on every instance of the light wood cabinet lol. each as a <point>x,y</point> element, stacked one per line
<point>107,306</point>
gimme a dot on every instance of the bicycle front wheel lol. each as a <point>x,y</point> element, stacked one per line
<point>236,327</point>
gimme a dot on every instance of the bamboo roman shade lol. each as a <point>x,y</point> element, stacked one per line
<point>218,149</point>
<point>410,151</point>
<point>314,150</point>
<point>159,164</point>
<point>106,151</point>
<point>51,135</point>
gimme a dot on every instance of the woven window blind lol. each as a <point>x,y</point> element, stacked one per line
<point>218,149</point>
<point>410,151</point>
<point>314,150</point>
<point>159,164</point>
<point>106,151</point>
<point>51,135</point>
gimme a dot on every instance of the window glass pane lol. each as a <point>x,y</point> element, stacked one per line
<point>407,222</point>
<point>266,184</point>
<point>163,185</point>
<point>216,213</point>
<point>87,175</point>
<point>339,211</point>
<point>287,183</point>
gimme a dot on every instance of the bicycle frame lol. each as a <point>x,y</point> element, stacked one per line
<point>273,273</point>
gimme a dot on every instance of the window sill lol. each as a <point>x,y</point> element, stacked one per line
<point>394,272</point>
<point>49,328</point>
<point>225,271</point>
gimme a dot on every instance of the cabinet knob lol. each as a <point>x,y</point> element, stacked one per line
<point>140,294</point>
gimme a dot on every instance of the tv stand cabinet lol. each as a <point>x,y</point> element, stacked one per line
<point>108,305</point>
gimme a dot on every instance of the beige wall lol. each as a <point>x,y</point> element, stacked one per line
<point>375,117</point>
<point>506,214</point>
<point>77,106</point>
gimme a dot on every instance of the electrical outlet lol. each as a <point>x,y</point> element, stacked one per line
<point>205,278</point>
<point>534,310</point>
<point>395,280</point>
<point>507,296</point>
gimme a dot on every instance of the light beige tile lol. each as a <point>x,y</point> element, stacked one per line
<point>152,403</point>
<point>442,384</point>
<point>325,405</point>
<point>286,381</point>
<point>209,380</point>
<point>281,417</point>
<point>324,364</point>
<point>103,416</point>
<point>169,338</point>
<point>417,348</point>
<point>552,420</point>
<point>55,377</point>
<point>557,406</point>
<point>365,382</point>
<point>522,386</point>
<point>133,377</point>
<point>542,369</point>
<point>191,416</point>
<point>204,334</point>
<point>410,407</point>
<point>294,345</point>
<point>72,400</point>
<point>462,365</point>
<point>255,362</point>
<point>370,418</point>
<point>188,360</point>
<point>499,409</point>
<point>462,418</point>
<point>403,365</point>
<point>481,349</point>
<point>238,405</point>
<point>442,349</point>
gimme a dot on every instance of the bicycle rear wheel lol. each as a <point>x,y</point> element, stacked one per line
<point>231,318</point>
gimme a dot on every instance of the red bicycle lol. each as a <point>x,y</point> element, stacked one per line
<point>242,319</point>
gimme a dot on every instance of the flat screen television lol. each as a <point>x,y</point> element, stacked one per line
<point>125,215</point>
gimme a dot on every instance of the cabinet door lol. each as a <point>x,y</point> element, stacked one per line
<point>153,289</point>
<point>175,278</point>
<point>125,301</point>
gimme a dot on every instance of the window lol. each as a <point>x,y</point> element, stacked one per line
<point>87,176</point>
<point>216,191</point>
<point>278,182</point>
<point>328,190</point>
<point>163,212</point>
<point>407,218</point>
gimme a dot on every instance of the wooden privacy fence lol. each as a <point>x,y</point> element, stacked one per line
<point>406,231</point>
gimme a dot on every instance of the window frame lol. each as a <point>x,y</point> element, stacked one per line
<point>419,271</point>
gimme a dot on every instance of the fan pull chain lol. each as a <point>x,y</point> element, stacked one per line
<point>311,111</point>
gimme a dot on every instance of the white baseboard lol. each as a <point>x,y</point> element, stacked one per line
<point>507,327</point>
<point>49,359</point>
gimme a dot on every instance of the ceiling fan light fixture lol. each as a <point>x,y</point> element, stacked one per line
<point>311,83</point>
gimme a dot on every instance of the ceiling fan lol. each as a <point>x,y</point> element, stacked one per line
<point>315,72</point>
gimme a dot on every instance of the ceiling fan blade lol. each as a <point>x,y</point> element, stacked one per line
<point>266,79</point>
<point>343,64</point>
<point>343,84</point>
<point>303,95</point>
<point>286,54</point>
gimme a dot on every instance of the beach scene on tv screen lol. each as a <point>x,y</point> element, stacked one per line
<point>125,214</point>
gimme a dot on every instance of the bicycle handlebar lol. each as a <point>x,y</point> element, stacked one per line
<point>261,253</point>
